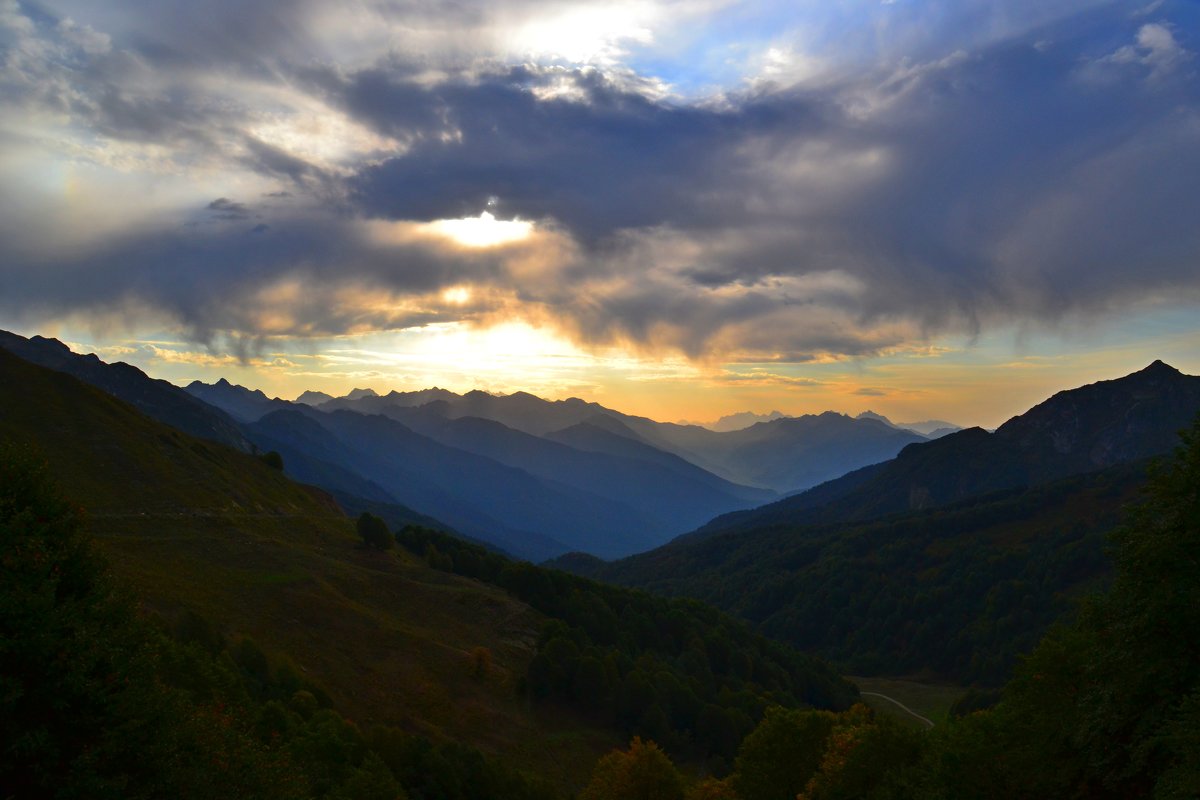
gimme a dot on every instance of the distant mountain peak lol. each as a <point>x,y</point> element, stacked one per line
<point>314,398</point>
<point>742,420</point>
<point>157,398</point>
<point>356,394</point>
<point>1159,367</point>
<point>872,415</point>
<point>50,342</point>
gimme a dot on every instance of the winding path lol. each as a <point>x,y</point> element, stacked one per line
<point>925,720</point>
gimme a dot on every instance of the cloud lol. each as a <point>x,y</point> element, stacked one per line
<point>226,209</point>
<point>954,176</point>
<point>1156,48</point>
<point>762,377</point>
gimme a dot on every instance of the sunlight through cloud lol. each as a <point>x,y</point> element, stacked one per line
<point>482,231</point>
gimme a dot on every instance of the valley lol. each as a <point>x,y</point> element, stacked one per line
<point>458,642</point>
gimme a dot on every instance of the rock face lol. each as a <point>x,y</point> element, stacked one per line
<point>1109,422</point>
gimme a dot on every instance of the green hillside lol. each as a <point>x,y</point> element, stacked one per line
<point>193,525</point>
<point>956,592</point>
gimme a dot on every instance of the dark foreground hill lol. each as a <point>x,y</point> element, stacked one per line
<point>1106,707</point>
<point>197,526</point>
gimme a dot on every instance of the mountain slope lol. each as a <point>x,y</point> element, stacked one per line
<point>671,498</point>
<point>239,402</point>
<point>401,473</point>
<point>783,455</point>
<point>402,459</point>
<point>156,398</point>
<point>195,525</point>
<point>1075,431</point>
<point>957,592</point>
<point>950,557</point>
<point>608,435</point>
<point>197,528</point>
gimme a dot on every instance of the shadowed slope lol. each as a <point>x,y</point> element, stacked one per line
<point>194,525</point>
<point>1076,431</point>
<point>163,401</point>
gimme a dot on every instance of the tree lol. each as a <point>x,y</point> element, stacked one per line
<point>272,459</point>
<point>1105,707</point>
<point>712,789</point>
<point>866,758</point>
<point>1145,636</point>
<point>780,756</point>
<point>643,772</point>
<point>87,708</point>
<point>374,531</point>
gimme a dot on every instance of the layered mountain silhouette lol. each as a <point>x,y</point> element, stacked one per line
<point>783,455</point>
<point>244,405</point>
<point>1075,431</point>
<point>528,495</point>
<point>158,399</point>
<point>742,419</point>
<point>538,478</point>
<point>397,465</point>
<point>930,428</point>
<point>951,558</point>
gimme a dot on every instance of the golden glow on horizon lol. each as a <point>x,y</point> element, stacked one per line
<point>977,383</point>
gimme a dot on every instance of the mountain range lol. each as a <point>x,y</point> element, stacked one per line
<point>785,454</point>
<point>945,561</point>
<point>930,428</point>
<point>539,478</point>
<point>533,477</point>
<point>949,559</point>
<point>1076,431</point>
<point>223,550</point>
<point>155,398</point>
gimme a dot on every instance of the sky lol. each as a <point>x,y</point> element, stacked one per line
<point>681,208</point>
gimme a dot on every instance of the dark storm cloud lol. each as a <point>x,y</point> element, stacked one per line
<point>1049,172</point>
<point>224,208</point>
<point>601,159</point>
<point>289,277</point>
<point>1013,183</point>
<point>946,230</point>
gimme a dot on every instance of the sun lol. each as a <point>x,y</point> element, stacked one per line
<point>482,231</point>
<point>457,295</point>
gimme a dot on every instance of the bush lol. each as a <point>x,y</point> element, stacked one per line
<point>374,532</point>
